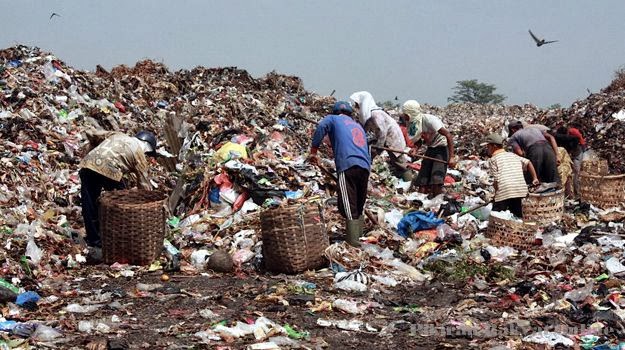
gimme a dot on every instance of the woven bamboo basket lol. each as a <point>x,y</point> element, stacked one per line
<point>596,167</point>
<point>294,238</point>
<point>544,208</point>
<point>132,225</point>
<point>602,191</point>
<point>518,235</point>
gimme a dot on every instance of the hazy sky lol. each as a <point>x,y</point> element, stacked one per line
<point>410,49</point>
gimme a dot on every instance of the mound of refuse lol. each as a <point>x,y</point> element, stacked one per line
<point>46,108</point>
<point>601,118</point>
<point>233,147</point>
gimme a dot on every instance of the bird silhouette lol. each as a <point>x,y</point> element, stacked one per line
<point>541,42</point>
<point>54,14</point>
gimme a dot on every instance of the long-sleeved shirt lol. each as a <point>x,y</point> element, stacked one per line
<point>526,137</point>
<point>348,139</point>
<point>117,155</point>
<point>386,132</point>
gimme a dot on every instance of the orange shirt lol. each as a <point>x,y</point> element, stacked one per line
<point>409,142</point>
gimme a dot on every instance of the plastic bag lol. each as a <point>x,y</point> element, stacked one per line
<point>417,220</point>
<point>614,266</point>
<point>579,294</point>
<point>387,281</point>
<point>242,256</point>
<point>500,253</point>
<point>434,203</point>
<point>407,270</point>
<point>80,309</point>
<point>548,338</point>
<point>449,208</point>
<point>7,295</point>
<point>33,252</point>
<point>45,333</point>
<point>348,306</point>
<point>351,286</point>
<point>28,300</point>
<point>230,151</point>
<point>393,217</point>
<point>199,257</point>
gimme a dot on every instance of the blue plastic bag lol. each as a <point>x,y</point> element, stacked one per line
<point>27,299</point>
<point>214,195</point>
<point>416,221</point>
<point>7,326</point>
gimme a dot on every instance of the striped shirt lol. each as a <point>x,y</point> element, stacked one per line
<point>507,170</point>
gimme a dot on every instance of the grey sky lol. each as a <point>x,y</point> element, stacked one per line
<point>410,49</point>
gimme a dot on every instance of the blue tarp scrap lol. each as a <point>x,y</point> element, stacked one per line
<point>416,221</point>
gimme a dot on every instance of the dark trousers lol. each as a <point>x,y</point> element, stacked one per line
<point>544,160</point>
<point>515,206</point>
<point>352,192</point>
<point>431,172</point>
<point>91,186</point>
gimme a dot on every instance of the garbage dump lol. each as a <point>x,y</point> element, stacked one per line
<point>430,273</point>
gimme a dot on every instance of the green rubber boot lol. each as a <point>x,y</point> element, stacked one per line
<point>354,231</point>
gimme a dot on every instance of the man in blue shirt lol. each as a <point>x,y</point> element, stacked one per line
<point>353,163</point>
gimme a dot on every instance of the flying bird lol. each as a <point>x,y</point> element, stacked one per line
<point>54,14</point>
<point>541,42</point>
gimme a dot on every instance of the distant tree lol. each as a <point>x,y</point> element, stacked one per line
<point>555,106</point>
<point>475,92</point>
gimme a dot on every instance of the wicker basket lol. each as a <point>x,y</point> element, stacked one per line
<point>518,235</point>
<point>602,191</point>
<point>544,208</point>
<point>596,167</point>
<point>294,238</point>
<point>132,225</point>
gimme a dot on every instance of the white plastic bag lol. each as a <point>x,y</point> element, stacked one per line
<point>199,258</point>
<point>33,251</point>
<point>351,286</point>
<point>348,306</point>
<point>548,338</point>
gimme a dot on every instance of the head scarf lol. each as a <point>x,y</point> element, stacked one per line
<point>366,103</point>
<point>415,126</point>
<point>342,107</point>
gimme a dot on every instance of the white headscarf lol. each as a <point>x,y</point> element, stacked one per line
<point>366,104</point>
<point>415,126</point>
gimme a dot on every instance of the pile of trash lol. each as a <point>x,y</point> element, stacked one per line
<point>601,117</point>
<point>482,120</point>
<point>235,146</point>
